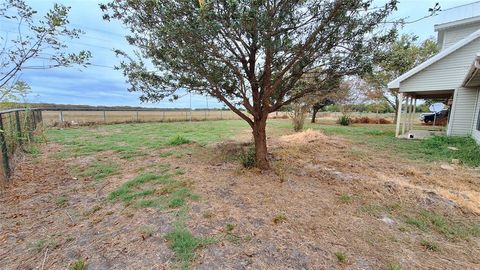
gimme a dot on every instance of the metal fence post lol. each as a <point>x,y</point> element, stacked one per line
<point>61,116</point>
<point>19,127</point>
<point>104,116</point>
<point>6,165</point>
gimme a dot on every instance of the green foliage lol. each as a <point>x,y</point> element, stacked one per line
<point>178,140</point>
<point>431,246</point>
<point>184,244</point>
<point>62,201</point>
<point>162,191</point>
<point>341,257</point>
<point>79,264</point>
<point>344,120</point>
<point>394,267</point>
<point>98,170</point>
<point>345,198</point>
<point>34,38</point>
<point>279,218</point>
<point>247,159</point>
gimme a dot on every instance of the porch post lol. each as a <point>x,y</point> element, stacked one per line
<point>414,109</point>
<point>407,109</point>
<point>399,114</point>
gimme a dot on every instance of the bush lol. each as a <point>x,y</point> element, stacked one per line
<point>345,120</point>
<point>368,120</point>
<point>248,158</point>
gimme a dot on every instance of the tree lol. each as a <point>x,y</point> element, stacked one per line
<point>34,39</point>
<point>248,53</point>
<point>398,57</point>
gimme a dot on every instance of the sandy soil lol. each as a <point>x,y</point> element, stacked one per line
<point>310,173</point>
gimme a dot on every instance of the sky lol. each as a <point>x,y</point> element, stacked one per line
<point>100,84</point>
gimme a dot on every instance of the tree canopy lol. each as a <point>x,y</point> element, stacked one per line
<point>248,53</point>
<point>32,38</point>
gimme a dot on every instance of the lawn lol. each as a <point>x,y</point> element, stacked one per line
<point>176,196</point>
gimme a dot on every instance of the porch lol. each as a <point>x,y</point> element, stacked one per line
<point>408,125</point>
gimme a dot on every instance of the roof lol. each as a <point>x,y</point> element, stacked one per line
<point>473,76</point>
<point>395,84</point>
<point>462,22</point>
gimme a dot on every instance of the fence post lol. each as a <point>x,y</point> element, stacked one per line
<point>104,116</point>
<point>61,116</point>
<point>40,115</point>
<point>34,119</point>
<point>19,127</point>
<point>6,165</point>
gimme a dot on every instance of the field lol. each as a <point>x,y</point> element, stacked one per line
<point>176,196</point>
<point>87,117</point>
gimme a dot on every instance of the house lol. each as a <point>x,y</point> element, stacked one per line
<point>453,74</point>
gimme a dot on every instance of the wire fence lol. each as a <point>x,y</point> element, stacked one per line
<point>17,127</point>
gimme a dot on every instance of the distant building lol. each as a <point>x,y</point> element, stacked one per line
<point>453,74</point>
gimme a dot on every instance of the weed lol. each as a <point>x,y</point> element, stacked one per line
<point>61,201</point>
<point>78,265</point>
<point>43,243</point>
<point>178,140</point>
<point>345,198</point>
<point>420,224</point>
<point>230,227</point>
<point>146,231</point>
<point>280,218</point>
<point>247,159</point>
<point>344,120</point>
<point>207,214</point>
<point>341,257</point>
<point>394,266</point>
<point>429,245</point>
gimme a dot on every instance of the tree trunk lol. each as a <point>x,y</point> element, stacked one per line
<point>314,114</point>
<point>260,138</point>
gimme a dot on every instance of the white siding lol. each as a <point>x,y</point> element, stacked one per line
<point>453,35</point>
<point>446,74</point>
<point>463,112</point>
<point>475,132</point>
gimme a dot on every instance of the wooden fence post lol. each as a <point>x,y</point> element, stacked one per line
<point>61,116</point>
<point>104,116</point>
<point>5,163</point>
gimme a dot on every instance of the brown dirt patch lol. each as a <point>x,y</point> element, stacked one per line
<point>311,171</point>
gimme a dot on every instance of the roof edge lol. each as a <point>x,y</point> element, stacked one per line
<point>395,84</point>
<point>452,24</point>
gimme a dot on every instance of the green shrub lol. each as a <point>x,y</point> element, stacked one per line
<point>248,158</point>
<point>344,120</point>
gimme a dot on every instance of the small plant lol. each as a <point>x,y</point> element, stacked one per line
<point>146,231</point>
<point>344,120</point>
<point>341,257</point>
<point>394,267</point>
<point>61,201</point>
<point>345,198</point>
<point>429,245</point>
<point>184,244</point>
<point>207,214</point>
<point>78,265</point>
<point>280,218</point>
<point>248,158</point>
<point>178,140</point>
<point>230,227</point>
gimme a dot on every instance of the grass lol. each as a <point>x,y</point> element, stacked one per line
<point>430,246</point>
<point>131,140</point>
<point>394,267</point>
<point>178,140</point>
<point>154,190</point>
<point>430,221</point>
<point>341,257</point>
<point>380,137</point>
<point>345,198</point>
<point>44,243</point>
<point>97,170</point>
<point>61,201</point>
<point>78,265</point>
<point>279,218</point>
<point>146,231</point>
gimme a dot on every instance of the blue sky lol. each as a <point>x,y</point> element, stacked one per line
<point>101,85</point>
